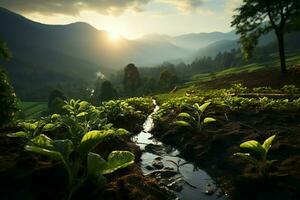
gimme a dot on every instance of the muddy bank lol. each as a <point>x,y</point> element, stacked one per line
<point>213,151</point>
<point>25,175</point>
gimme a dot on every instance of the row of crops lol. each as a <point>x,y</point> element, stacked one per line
<point>70,138</point>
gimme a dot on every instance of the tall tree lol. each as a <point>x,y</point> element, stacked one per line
<point>257,17</point>
<point>108,92</point>
<point>8,99</point>
<point>56,101</point>
<point>132,79</point>
<point>167,80</point>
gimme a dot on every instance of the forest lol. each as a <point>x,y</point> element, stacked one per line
<point>86,113</point>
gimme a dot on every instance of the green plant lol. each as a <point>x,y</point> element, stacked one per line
<point>263,90</point>
<point>238,88</point>
<point>195,120</point>
<point>257,155</point>
<point>290,89</point>
<point>29,129</point>
<point>80,163</point>
<point>8,98</point>
<point>81,117</point>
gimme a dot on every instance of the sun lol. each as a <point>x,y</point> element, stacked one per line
<point>114,36</point>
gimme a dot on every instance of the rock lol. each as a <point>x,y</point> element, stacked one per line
<point>149,167</point>
<point>176,186</point>
<point>157,164</point>
<point>155,149</point>
<point>209,189</point>
<point>158,158</point>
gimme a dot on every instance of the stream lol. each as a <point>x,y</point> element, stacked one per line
<point>165,164</point>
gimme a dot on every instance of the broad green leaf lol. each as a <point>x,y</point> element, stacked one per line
<point>28,126</point>
<point>122,131</point>
<point>183,123</point>
<point>268,143</point>
<point>82,114</point>
<point>247,157</point>
<point>49,127</point>
<point>186,115</point>
<point>95,164</point>
<point>203,107</point>
<point>43,141</point>
<point>65,147</point>
<point>254,146</point>
<point>55,116</point>
<point>18,134</point>
<point>46,152</point>
<point>208,120</point>
<point>117,160</point>
<point>83,105</point>
<point>92,138</point>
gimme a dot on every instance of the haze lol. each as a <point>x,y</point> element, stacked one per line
<point>133,18</point>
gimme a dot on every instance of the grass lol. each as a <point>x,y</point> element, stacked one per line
<point>33,110</point>
<point>193,82</point>
<point>292,59</point>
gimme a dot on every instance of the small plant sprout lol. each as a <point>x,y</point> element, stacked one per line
<point>259,158</point>
<point>196,120</point>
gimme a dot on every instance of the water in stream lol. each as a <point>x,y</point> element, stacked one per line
<point>191,183</point>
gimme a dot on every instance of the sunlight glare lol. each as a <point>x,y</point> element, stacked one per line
<point>114,36</point>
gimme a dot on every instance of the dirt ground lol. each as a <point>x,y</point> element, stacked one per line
<point>213,151</point>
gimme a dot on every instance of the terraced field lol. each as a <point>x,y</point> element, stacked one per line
<point>33,110</point>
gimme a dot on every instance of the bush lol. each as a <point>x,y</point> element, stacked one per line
<point>8,100</point>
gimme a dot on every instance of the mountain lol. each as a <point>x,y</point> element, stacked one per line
<point>192,41</point>
<point>200,40</point>
<point>220,46</point>
<point>70,53</point>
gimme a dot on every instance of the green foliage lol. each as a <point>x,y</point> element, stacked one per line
<point>238,88</point>
<point>81,117</point>
<point>257,155</point>
<point>32,110</point>
<point>108,92</point>
<point>167,80</point>
<point>56,101</point>
<point>86,165</point>
<point>257,17</point>
<point>132,80</point>
<point>122,112</point>
<point>263,90</point>
<point>194,120</point>
<point>8,99</point>
<point>290,89</point>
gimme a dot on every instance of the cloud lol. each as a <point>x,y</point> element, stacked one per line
<point>74,7</point>
<point>185,5</point>
<point>231,5</point>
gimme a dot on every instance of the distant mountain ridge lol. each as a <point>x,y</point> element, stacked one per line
<point>76,52</point>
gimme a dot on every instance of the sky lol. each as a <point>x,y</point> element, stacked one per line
<point>132,18</point>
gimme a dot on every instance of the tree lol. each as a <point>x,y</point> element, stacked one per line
<point>132,79</point>
<point>167,80</point>
<point>56,101</point>
<point>257,17</point>
<point>8,99</point>
<point>96,94</point>
<point>108,92</point>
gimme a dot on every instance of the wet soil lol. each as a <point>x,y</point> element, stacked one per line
<point>212,150</point>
